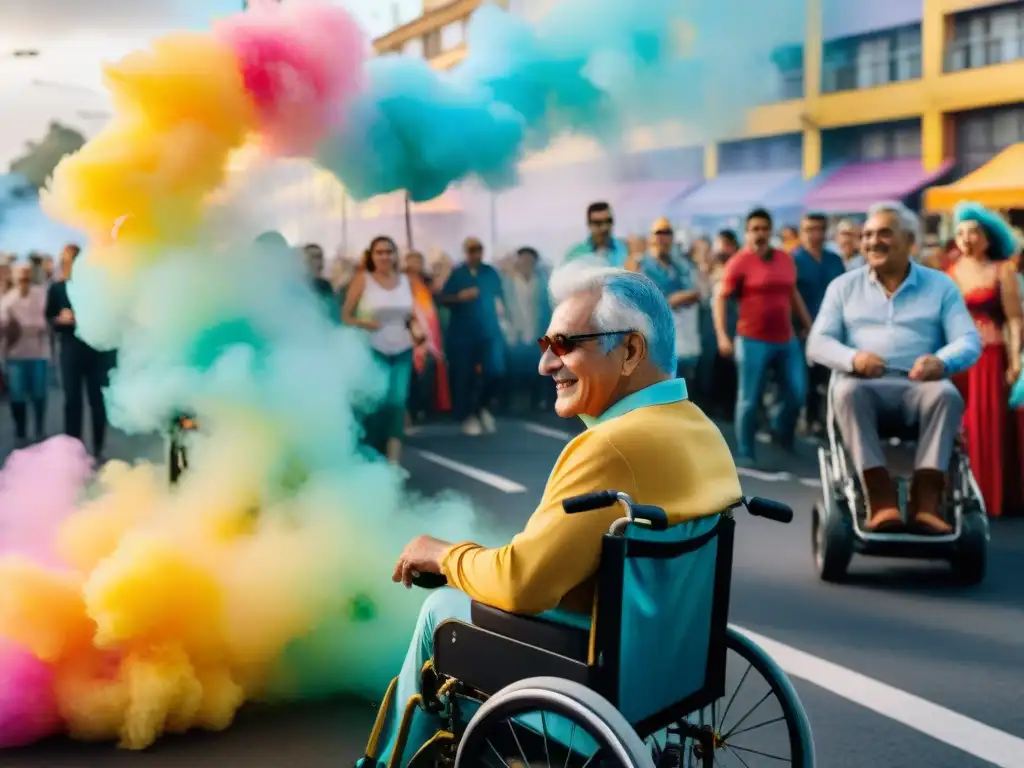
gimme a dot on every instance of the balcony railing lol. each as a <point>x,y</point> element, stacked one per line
<point>972,53</point>
<point>853,76</point>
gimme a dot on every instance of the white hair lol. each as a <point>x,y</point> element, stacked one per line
<point>628,302</point>
<point>611,312</point>
<point>909,221</point>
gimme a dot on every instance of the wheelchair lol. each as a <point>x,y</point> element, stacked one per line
<point>839,521</point>
<point>642,685</point>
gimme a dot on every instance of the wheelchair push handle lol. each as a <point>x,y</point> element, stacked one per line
<point>768,509</point>
<point>647,515</point>
<point>588,502</point>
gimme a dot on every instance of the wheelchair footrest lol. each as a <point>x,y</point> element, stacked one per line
<point>486,661</point>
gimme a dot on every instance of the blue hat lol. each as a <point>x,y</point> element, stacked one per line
<point>1002,240</point>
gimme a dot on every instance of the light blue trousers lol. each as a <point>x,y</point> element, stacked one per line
<point>440,605</point>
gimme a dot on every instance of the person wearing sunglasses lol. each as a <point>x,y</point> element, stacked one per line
<point>601,245</point>
<point>609,350</point>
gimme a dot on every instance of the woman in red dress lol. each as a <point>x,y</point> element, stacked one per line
<point>987,279</point>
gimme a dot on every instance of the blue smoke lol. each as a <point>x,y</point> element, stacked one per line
<point>593,67</point>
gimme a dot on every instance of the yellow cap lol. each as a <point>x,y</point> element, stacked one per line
<point>661,224</point>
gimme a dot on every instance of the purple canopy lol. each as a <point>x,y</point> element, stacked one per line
<point>854,187</point>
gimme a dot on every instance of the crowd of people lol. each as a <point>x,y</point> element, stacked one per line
<point>461,339</point>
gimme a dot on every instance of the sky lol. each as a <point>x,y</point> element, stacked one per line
<point>74,37</point>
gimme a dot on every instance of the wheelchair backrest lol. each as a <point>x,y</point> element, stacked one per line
<point>661,617</point>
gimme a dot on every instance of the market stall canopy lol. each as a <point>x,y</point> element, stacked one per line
<point>737,193</point>
<point>856,187</point>
<point>998,184</point>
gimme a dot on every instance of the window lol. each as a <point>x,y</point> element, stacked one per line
<point>414,48</point>
<point>872,59</point>
<point>906,143</point>
<point>986,37</point>
<point>452,36</point>
<point>874,145</point>
<point>432,44</point>
<point>789,74</point>
<point>878,59</point>
<point>982,135</point>
<point>777,153</point>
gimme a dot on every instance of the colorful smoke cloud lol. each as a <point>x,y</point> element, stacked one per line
<point>597,68</point>
<point>129,609</point>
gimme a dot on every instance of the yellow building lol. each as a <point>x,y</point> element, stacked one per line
<point>875,81</point>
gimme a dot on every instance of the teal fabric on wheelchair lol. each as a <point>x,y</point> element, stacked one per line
<point>665,628</point>
<point>666,621</point>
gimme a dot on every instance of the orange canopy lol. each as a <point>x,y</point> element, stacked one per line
<point>998,184</point>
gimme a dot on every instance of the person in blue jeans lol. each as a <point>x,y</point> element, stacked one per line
<point>816,267</point>
<point>763,280</point>
<point>474,340</point>
<point>25,341</point>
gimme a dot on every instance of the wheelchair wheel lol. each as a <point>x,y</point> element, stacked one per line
<point>970,560</point>
<point>831,542</point>
<point>570,725</point>
<point>759,722</point>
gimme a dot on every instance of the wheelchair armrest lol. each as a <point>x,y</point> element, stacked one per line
<point>487,661</point>
<point>563,639</point>
<point>429,580</point>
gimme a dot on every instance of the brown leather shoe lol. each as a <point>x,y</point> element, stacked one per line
<point>883,501</point>
<point>927,492</point>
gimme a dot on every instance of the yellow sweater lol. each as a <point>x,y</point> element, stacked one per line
<point>669,455</point>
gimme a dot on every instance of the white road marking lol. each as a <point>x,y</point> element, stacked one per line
<point>975,738</point>
<point>768,477</point>
<point>487,478</point>
<point>539,429</point>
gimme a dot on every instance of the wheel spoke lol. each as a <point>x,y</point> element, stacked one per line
<point>742,719</point>
<point>741,760</point>
<point>749,728</point>
<point>572,738</point>
<point>762,754</point>
<point>519,746</point>
<point>497,754</point>
<point>544,734</point>
<point>734,693</point>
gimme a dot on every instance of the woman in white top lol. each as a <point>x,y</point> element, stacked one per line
<point>380,301</point>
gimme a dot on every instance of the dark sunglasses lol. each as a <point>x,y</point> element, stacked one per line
<point>561,344</point>
<point>664,232</point>
<point>601,222</point>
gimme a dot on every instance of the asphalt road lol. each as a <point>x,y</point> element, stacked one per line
<point>942,664</point>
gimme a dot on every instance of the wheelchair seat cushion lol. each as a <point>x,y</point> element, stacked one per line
<point>569,639</point>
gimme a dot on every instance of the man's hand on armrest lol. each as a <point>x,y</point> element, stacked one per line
<point>868,365</point>
<point>421,555</point>
<point>927,368</point>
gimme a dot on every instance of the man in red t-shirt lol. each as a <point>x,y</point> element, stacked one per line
<point>762,280</point>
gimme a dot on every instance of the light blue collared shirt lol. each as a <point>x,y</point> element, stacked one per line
<point>926,315</point>
<point>615,255</point>
<point>662,393</point>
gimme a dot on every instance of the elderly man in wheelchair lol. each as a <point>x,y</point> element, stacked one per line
<point>596,633</point>
<point>893,332</point>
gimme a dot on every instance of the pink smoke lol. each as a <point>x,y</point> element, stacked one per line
<point>28,706</point>
<point>39,488</point>
<point>301,64</point>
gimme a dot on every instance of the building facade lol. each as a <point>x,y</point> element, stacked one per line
<point>927,89</point>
